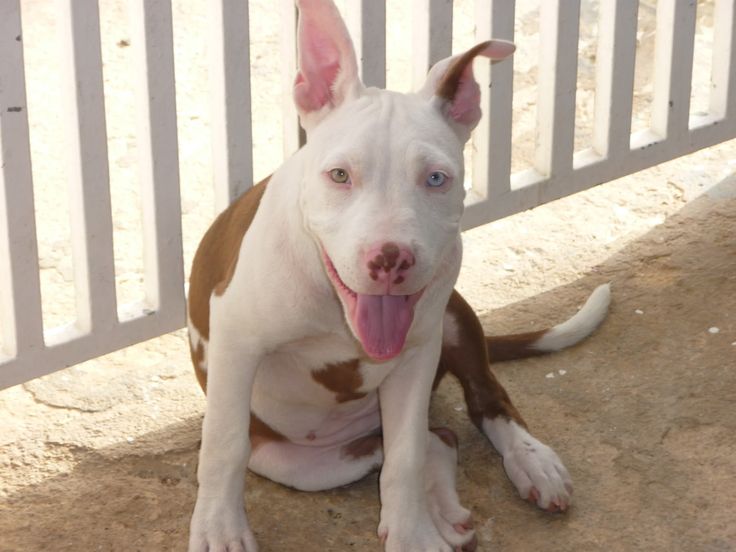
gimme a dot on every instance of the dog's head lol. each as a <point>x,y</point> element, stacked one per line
<point>382,193</point>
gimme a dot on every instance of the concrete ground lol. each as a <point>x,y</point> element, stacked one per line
<point>102,456</point>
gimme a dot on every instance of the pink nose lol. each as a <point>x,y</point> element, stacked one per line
<point>389,262</point>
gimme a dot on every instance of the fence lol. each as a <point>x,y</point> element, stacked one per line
<point>28,350</point>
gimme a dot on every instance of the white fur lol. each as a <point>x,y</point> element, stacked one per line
<point>450,330</point>
<point>195,340</point>
<point>280,317</point>
<point>529,463</point>
<point>587,319</point>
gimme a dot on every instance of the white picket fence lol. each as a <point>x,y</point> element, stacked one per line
<point>28,350</point>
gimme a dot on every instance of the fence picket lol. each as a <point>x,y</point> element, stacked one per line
<point>491,162</point>
<point>366,20</point>
<point>431,36</point>
<point>89,183</point>
<point>229,53</point>
<point>614,79</point>
<point>673,69</point>
<point>723,77</point>
<point>21,328</point>
<point>159,159</point>
<point>559,22</point>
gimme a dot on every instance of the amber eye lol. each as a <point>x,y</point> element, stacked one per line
<point>339,175</point>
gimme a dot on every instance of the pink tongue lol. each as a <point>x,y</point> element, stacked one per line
<point>382,322</point>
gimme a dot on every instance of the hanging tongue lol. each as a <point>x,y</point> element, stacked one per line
<point>382,322</point>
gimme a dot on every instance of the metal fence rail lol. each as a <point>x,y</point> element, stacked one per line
<point>28,350</point>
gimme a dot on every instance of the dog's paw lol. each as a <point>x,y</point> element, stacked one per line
<point>454,522</point>
<point>217,527</point>
<point>425,532</point>
<point>538,474</point>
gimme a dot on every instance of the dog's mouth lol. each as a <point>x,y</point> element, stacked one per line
<point>380,322</point>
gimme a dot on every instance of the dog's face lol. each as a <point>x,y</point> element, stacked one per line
<point>382,194</point>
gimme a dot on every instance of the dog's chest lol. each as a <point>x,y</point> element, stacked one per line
<point>319,387</point>
<point>329,370</point>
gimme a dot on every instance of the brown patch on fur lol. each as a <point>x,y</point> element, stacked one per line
<point>363,446</point>
<point>446,435</point>
<point>216,258</point>
<point>450,82</point>
<point>262,433</point>
<point>343,378</point>
<point>468,361</point>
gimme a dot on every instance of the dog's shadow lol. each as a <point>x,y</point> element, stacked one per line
<point>625,409</point>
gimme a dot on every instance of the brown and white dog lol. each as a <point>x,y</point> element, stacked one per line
<point>322,311</point>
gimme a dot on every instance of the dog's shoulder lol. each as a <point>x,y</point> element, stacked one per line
<point>217,255</point>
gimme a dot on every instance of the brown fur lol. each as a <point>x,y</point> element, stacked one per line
<point>215,262</point>
<point>468,361</point>
<point>512,347</point>
<point>447,88</point>
<point>261,433</point>
<point>343,378</point>
<point>363,446</point>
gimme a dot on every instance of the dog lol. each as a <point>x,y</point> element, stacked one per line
<point>322,314</point>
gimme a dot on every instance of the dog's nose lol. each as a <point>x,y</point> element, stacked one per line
<point>389,262</point>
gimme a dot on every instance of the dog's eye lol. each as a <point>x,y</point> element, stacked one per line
<point>436,179</point>
<point>339,175</point>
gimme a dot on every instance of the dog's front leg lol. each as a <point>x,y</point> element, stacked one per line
<point>406,523</point>
<point>219,522</point>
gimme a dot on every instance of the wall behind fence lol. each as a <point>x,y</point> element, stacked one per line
<point>96,139</point>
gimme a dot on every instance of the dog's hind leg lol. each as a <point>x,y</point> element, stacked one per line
<point>533,467</point>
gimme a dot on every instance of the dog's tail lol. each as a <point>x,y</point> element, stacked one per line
<point>570,332</point>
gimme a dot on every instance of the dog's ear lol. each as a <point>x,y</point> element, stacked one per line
<point>328,71</point>
<point>451,85</point>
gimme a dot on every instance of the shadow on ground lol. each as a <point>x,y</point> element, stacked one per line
<point>644,417</point>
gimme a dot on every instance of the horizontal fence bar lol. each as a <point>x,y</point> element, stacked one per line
<point>159,158</point>
<point>68,347</point>
<point>229,55</point>
<point>89,183</point>
<point>531,189</point>
<point>491,160</point>
<point>21,327</point>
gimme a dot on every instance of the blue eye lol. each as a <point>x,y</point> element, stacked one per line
<point>436,179</point>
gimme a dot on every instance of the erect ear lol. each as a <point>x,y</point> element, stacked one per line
<point>328,71</point>
<point>451,84</point>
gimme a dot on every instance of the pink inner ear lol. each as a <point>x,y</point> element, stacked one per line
<point>465,106</point>
<point>324,51</point>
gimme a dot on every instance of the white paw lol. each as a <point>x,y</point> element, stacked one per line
<point>219,527</point>
<point>538,474</point>
<point>427,532</point>
<point>454,522</point>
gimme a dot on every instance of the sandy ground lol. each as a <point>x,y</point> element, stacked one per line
<point>102,456</point>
